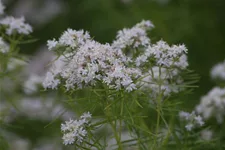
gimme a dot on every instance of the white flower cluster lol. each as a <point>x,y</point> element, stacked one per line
<point>165,55</point>
<point>4,47</point>
<point>16,24</point>
<point>12,24</point>
<point>71,38</point>
<point>134,37</point>
<point>88,63</point>
<point>85,62</point>
<point>191,119</point>
<point>75,130</point>
<point>166,64</point>
<point>213,104</point>
<point>218,71</point>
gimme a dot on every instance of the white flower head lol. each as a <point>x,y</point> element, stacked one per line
<point>68,138</point>
<point>73,38</point>
<point>218,71</point>
<point>199,120</point>
<point>213,104</point>
<point>191,119</point>
<point>74,131</point>
<point>168,56</point>
<point>133,37</point>
<point>16,24</point>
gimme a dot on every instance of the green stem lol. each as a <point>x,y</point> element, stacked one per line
<point>109,113</point>
<point>158,109</point>
<point>117,137</point>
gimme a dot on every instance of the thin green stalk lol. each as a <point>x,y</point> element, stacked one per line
<point>109,114</point>
<point>158,109</point>
<point>117,137</point>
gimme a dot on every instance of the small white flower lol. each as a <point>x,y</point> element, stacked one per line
<point>131,87</point>
<point>86,115</point>
<point>70,125</point>
<point>199,120</point>
<point>184,115</point>
<point>51,44</point>
<point>189,127</point>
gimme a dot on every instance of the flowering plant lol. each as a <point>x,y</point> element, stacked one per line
<point>121,80</point>
<point>128,93</point>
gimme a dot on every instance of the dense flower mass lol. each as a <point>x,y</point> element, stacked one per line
<point>191,119</point>
<point>75,130</point>
<point>213,104</point>
<point>218,71</point>
<point>85,62</point>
